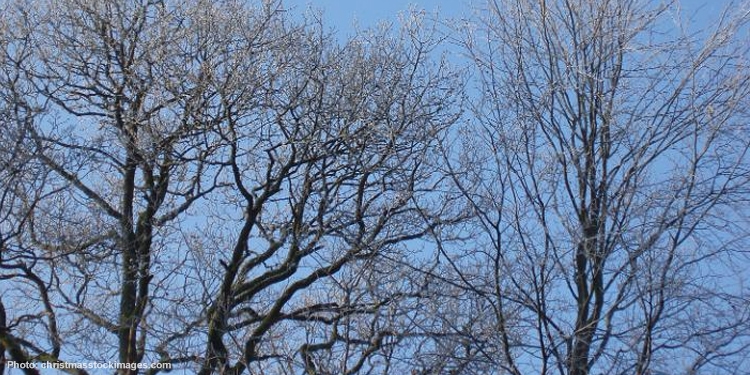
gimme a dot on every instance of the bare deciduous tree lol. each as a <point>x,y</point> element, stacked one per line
<point>609,172</point>
<point>333,173</point>
<point>216,185</point>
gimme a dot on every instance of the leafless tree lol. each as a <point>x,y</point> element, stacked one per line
<point>21,179</point>
<point>217,185</point>
<point>334,182</point>
<point>608,168</point>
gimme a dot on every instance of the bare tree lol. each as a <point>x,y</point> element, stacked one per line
<point>334,179</point>
<point>217,185</point>
<point>21,182</point>
<point>117,133</point>
<point>608,168</point>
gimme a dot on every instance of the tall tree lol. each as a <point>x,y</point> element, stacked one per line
<point>608,168</point>
<point>334,185</point>
<point>216,185</point>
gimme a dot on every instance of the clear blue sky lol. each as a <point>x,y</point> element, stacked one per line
<point>341,14</point>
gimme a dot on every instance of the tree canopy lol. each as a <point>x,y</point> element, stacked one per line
<point>226,187</point>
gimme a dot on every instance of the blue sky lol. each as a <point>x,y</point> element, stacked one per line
<point>342,14</point>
